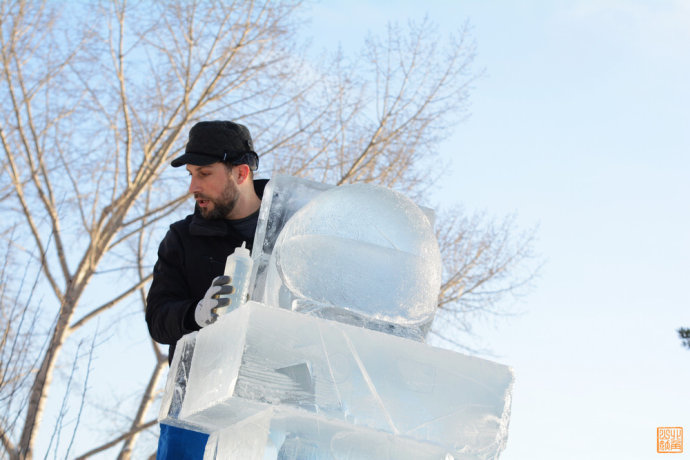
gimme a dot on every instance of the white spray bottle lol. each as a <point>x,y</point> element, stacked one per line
<point>238,267</point>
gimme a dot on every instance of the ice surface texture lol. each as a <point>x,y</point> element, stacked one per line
<point>283,196</point>
<point>361,254</point>
<point>259,357</point>
<point>285,434</point>
<point>176,385</point>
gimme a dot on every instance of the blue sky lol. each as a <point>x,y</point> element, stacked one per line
<point>581,125</point>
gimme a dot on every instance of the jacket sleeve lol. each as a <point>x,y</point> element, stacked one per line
<point>169,306</point>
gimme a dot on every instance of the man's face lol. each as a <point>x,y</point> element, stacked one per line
<point>214,189</point>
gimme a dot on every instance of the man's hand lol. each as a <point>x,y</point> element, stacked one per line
<point>206,310</point>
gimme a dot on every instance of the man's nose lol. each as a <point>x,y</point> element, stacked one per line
<point>193,185</point>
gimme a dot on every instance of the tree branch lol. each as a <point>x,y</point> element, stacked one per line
<point>95,312</point>
<point>117,440</point>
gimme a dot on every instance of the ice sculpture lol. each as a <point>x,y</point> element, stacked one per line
<point>276,383</point>
<point>360,254</point>
<point>343,374</point>
<point>283,197</point>
<point>176,385</point>
<point>278,433</point>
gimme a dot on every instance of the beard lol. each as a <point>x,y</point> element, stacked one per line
<point>223,205</point>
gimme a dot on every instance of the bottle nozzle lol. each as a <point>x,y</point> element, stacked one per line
<point>242,251</point>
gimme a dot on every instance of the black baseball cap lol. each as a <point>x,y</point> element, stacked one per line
<point>212,141</point>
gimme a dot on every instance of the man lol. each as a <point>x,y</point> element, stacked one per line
<point>187,280</point>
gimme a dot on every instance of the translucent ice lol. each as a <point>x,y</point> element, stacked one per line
<point>361,254</point>
<point>285,434</point>
<point>259,357</point>
<point>283,197</point>
<point>176,384</point>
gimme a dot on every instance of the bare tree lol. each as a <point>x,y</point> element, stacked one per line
<point>484,261</point>
<point>19,346</point>
<point>84,138</point>
<point>387,109</point>
<point>98,98</point>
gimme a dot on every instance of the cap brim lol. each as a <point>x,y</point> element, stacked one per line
<point>196,159</point>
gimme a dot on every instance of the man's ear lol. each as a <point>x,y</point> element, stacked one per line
<point>242,173</point>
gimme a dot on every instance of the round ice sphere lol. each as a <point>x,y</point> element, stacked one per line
<point>362,249</point>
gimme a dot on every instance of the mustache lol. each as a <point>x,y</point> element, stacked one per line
<point>199,196</point>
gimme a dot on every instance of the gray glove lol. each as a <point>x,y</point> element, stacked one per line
<point>206,311</point>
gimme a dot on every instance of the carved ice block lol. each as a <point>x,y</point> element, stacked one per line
<point>289,434</point>
<point>176,384</point>
<point>259,357</point>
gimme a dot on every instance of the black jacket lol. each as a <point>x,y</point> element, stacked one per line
<point>192,253</point>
